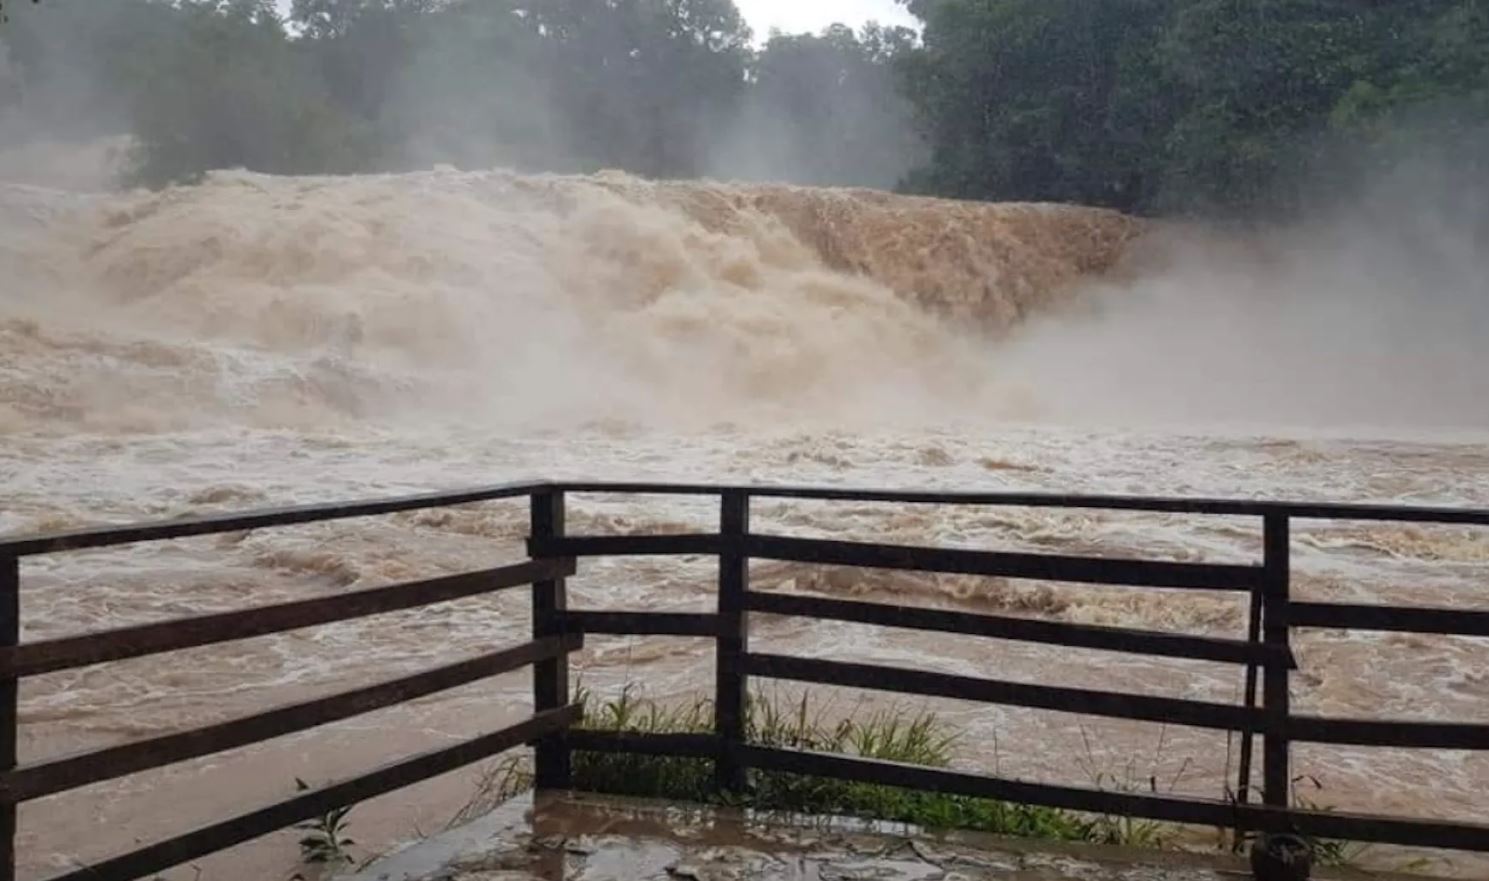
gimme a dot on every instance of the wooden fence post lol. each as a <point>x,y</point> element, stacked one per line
<point>1243,773</point>
<point>550,677</point>
<point>10,634</point>
<point>1277,776</point>
<point>733,641</point>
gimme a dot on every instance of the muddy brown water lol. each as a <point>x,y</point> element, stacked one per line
<point>1346,674</point>
<point>257,341</point>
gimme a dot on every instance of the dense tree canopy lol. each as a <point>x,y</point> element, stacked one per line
<point>1146,105</point>
<point>824,109</point>
<point>1154,104</point>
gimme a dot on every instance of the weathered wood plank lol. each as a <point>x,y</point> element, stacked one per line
<point>1085,570</point>
<point>1355,827</point>
<point>105,536</point>
<point>1114,639</point>
<point>70,772</point>
<point>148,639</point>
<point>1243,772</point>
<point>183,527</point>
<point>706,544</point>
<point>730,678</point>
<point>550,599</point>
<point>926,779</point>
<point>1276,632</point>
<point>642,623</point>
<point>10,633</point>
<point>1399,619</point>
<point>1387,732</point>
<point>245,827</point>
<point>1155,504</point>
<point>1173,711</point>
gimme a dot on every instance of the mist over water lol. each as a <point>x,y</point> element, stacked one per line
<point>1368,318</point>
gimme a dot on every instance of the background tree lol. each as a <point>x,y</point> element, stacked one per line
<point>59,66</point>
<point>638,83</point>
<point>1182,105</point>
<point>824,109</point>
<point>1018,96</point>
<point>222,87</point>
<point>1156,106</point>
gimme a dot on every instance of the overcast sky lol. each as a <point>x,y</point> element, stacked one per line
<point>795,16</point>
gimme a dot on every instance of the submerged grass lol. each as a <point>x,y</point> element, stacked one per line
<point>891,735</point>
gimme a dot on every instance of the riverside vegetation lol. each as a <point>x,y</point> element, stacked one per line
<point>893,734</point>
<point>1149,106</point>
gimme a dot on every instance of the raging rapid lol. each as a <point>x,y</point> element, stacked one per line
<point>255,340</point>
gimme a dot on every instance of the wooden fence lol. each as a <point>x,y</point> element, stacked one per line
<point>1264,654</point>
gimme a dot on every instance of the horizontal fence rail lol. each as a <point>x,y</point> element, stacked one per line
<point>1115,705</point>
<point>216,524</point>
<point>553,713</point>
<point>686,544</point>
<point>1044,567</point>
<point>1399,619</point>
<point>1372,732</point>
<point>1088,636</point>
<point>1151,504</point>
<point>106,536</point>
<point>1325,824</point>
<point>58,775</point>
<point>1264,654</point>
<point>642,623</point>
<point>246,827</point>
<point>147,639</point>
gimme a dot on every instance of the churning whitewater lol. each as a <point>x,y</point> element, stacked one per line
<point>255,340</point>
<point>514,301</point>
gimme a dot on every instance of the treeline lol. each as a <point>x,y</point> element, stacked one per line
<point>1145,105</point>
<point>662,88</point>
<point>1164,105</point>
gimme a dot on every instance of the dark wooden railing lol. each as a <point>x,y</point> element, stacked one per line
<point>1265,653</point>
<point>546,654</point>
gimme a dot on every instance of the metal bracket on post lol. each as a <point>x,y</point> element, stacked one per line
<point>1276,565</point>
<point>550,677</point>
<point>733,641</point>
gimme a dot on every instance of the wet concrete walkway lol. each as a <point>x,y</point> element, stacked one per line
<point>594,838</point>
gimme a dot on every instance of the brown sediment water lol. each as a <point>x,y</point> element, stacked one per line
<point>261,341</point>
<point>511,300</point>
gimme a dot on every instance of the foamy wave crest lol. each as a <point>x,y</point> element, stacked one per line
<point>515,300</point>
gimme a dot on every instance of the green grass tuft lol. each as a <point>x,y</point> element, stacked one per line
<point>891,735</point>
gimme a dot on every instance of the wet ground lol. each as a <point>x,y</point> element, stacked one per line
<point>596,838</point>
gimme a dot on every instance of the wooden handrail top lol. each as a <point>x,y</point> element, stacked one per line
<point>1153,504</point>
<point>1044,567</point>
<point>213,524</point>
<point>106,536</point>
